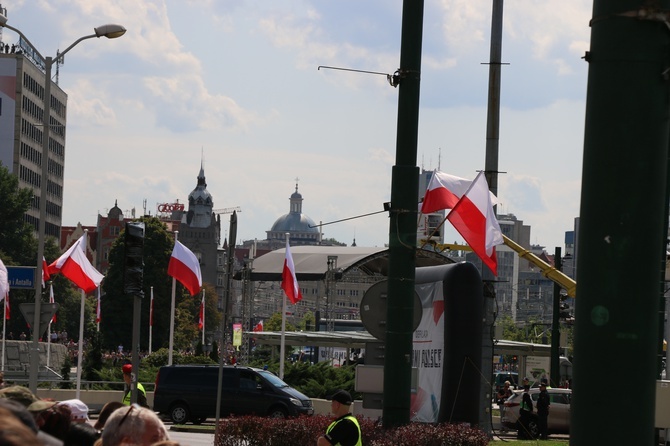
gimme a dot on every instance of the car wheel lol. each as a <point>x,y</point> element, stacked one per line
<point>278,412</point>
<point>533,428</point>
<point>179,413</point>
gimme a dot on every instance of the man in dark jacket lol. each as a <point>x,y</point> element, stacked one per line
<point>525,412</point>
<point>543,403</point>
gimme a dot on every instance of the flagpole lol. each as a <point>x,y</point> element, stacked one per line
<point>203,317</point>
<point>51,294</point>
<point>80,354</point>
<point>4,322</point>
<point>282,344</point>
<point>174,286</point>
<point>151,316</point>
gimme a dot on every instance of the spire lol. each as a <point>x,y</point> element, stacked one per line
<point>296,200</point>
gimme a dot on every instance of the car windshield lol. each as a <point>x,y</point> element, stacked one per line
<point>273,379</point>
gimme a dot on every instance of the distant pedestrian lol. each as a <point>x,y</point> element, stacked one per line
<point>543,403</point>
<point>22,336</point>
<point>525,412</point>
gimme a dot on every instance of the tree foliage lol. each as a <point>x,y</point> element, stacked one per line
<point>18,245</point>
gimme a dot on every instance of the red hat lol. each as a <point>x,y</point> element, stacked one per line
<point>127,369</point>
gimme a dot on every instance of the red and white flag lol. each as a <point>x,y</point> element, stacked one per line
<point>258,326</point>
<point>75,266</point>
<point>4,287</point>
<point>98,309</point>
<point>54,319</point>
<point>444,191</point>
<point>7,310</point>
<point>184,267</point>
<point>289,283</point>
<point>45,272</point>
<point>474,219</point>
<point>201,315</point>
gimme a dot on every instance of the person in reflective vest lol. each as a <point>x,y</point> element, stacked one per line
<point>345,430</point>
<point>141,393</point>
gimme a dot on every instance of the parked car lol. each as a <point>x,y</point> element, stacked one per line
<point>559,411</point>
<point>189,392</point>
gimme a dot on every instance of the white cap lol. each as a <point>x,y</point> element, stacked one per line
<point>78,408</point>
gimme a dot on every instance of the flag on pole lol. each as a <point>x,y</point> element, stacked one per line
<point>474,219</point>
<point>184,267</point>
<point>74,265</point>
<point>54,319</point>
<point>7,309</point>
<point>45,272</point>
<point>201,316</point>
<point>98,308</point>
<point>444,191</point>
<point>4,281</point>
<point>259,326</point>
<point>289,283</point>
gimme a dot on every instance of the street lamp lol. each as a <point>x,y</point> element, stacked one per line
<point>110,31</point>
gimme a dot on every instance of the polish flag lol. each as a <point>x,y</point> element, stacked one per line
<point>54,319</point>
<point>7,310</point>
<point>45,271</point>
<point>184,267</point>
<point>201,316</point>
<point>75,266</point>
<point>4,287</point>
<point>444,191</point>
<point>97,308</point>
<point>259,326</point>
<point>289,283</point>
<point>474,219</point>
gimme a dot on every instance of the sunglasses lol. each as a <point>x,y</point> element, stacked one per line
<point>126,415</point>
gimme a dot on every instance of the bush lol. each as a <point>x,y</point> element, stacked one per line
<point>303,431</point>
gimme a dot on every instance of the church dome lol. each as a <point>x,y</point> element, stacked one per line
<point>301,228</point>
<point>294,222</point>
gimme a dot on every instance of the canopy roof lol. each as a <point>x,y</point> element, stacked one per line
<point>311,262</point>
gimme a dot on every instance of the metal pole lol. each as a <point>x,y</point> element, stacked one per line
<point>555,372</point>
<point>41,232</point>
<point>491,173</point>
<point>172,305</point>
<point>402,228</point>
<point>621,218</point>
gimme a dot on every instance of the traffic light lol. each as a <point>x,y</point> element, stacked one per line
<point>133,271</point>
<point>564,310</point>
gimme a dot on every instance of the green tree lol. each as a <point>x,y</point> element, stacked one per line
<point>18,245</point>
<point>274,323</point>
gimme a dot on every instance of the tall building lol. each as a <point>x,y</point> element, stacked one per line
<point>22,82</point>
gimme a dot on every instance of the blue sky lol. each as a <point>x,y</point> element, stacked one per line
<point>237,82</point>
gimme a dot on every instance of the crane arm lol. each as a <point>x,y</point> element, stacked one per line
<point>548,271</point>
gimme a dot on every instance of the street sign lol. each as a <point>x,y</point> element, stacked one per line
<point>47,311</point>
<point>21,277</point>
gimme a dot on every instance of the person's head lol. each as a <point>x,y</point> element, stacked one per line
<point>127,371</point>
<point>526,387</point>
<point>54,421</point>
<point>20,412</point>
<point>81,434</point>
<point>507,384</point>
<point>133,426</point>
<point>19,393</point>
<point>340,402</point>
<point>14,433</point>
<point>543,386</point>
<point>105,412</point>
<point>78,410</point>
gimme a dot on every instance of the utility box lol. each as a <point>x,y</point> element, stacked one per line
<point>662,419</point>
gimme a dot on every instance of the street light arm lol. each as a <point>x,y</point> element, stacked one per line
<point>5,25</point>
<point>62,53</point>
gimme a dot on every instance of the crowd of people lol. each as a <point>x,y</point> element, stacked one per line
<point>27,420</point>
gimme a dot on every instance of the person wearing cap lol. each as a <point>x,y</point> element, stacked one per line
<point>345,430</point>
<point>141,393</point>
<point>543,403</point>
<point>504,393</point>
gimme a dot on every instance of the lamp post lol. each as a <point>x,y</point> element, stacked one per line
<point>110,31</point>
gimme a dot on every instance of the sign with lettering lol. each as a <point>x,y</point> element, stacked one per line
<point>21,277</point>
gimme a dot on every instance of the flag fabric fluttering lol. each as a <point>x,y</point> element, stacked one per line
<point>289,283</point>
<point>4,281</point>
<point>201,315</point>
<point>45,272</point>
<point>474,219</point>
<point>184,267</point>
<point>7,308</point>
<point>98,309</point>
<point>74,265</point>
<point>444,191</point>
<point>258,326</point>
<point>54,319</point>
